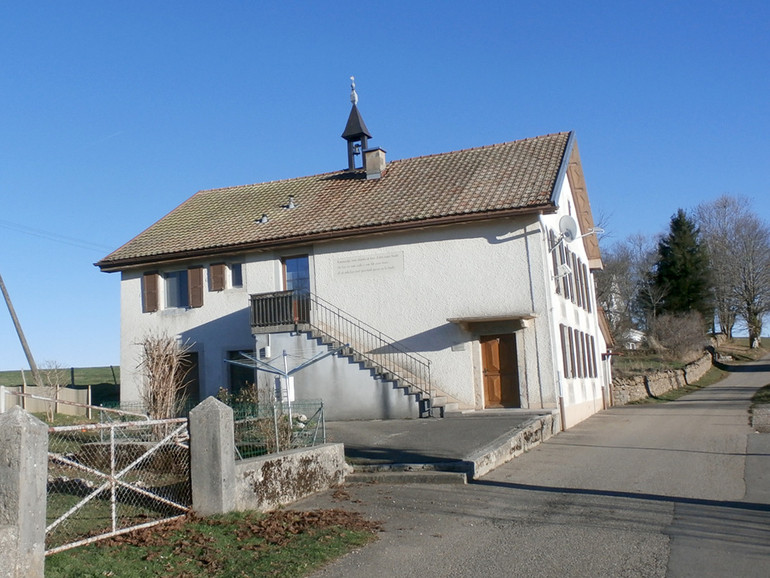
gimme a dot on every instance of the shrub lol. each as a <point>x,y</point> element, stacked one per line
<point>678,336</point>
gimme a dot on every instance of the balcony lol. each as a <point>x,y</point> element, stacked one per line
<point>280,311</point>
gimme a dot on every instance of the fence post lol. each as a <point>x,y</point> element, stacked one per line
<point>2,399</point>
<point>23,478</point>
<point>212,457</point>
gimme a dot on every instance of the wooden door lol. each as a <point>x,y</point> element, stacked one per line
<point>501,370</point>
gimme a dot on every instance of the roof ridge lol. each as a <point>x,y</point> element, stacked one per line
<point>482,147</point>
<point>342,171</point>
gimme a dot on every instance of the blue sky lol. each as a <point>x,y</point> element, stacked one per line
<point>113,113</point>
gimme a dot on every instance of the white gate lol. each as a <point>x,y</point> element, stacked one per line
<point>108,479</point>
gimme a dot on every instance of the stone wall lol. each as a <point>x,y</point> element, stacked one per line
<point>221,484</point>
<point>268,482</point>
<point>630,389</point>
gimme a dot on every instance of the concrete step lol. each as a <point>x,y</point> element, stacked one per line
<point>407,477</point>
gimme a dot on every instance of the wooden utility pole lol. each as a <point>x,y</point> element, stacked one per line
<point>20,333</point>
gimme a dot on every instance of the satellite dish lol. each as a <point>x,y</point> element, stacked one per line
<point>568,228</point>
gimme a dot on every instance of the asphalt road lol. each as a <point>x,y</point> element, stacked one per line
<point>675,489</point>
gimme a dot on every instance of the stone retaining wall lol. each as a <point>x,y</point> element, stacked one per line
<point>268,482</point>
<point>221,484</point>
<point>627,390</point>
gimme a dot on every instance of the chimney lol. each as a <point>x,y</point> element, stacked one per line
<point>374,162</point>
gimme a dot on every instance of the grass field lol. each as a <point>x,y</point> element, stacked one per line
<point>109,374</point>
<point>104,381</point>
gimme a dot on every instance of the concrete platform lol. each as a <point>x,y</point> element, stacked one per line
<point>471,443</point>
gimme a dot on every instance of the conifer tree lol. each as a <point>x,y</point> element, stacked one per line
<point>682,270</point>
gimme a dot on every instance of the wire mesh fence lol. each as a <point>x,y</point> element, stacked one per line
<point>108,478</point>
<point>269,428</point>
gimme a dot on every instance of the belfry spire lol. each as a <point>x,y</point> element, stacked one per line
<point>355,132</point>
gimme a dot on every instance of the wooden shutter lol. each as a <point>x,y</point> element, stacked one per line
<point>572,366</point>
<point>149,292</point>
<point>578,285</point>
<point>195,286</point>
<point>217,277</point>
<point>587,285</point>
<point>564,355</point>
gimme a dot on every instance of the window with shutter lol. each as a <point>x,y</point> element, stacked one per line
<point>571,276</point>
<point>195,286</point>
<point>572,365</point>
<point>555,261</point>
<point>587,284</point>
<point>564,354</point>
<point>217,277</point>
<point>236,275</point>
<point>149,292</point>
<point>177,289</point>
<point>578,280</point>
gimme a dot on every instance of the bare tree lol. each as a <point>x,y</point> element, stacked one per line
<point>625,287</point>
<point>739,247</point>
<point>165,368</point>
<point>615,289</point>
<point>719,222</point>
<point>54,376</point>
<point>753,252</point>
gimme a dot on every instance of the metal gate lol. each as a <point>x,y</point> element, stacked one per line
<point>110,478</point>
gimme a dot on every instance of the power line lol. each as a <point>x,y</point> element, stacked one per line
<point>55,237</point>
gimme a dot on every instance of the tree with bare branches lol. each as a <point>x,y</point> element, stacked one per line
<point>739,250</point>
<point>625,287</point>
<point>165,368</point>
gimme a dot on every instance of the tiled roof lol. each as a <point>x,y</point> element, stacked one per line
<point>467,184</point>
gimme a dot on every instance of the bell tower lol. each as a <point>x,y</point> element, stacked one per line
<point>355,132</point>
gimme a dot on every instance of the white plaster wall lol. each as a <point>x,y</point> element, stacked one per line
<point>221,325</point>
<point>582,396</point>
<point>420,279</point>
<point>349,392</point>
<point>416,282</point>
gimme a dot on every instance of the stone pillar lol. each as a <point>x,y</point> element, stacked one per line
<point>212,457</point>
<point>23,479</point>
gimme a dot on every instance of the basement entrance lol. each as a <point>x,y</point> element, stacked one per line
<point>501,370</point>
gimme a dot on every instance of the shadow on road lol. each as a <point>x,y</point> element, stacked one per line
<point>559,442</point>
<point>748,368</point>
<point>752,506</point>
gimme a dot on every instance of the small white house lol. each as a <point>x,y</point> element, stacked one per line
<point>441,281</point>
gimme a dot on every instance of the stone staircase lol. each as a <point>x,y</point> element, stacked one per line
<point>431,401</point>
<point>372,350</point>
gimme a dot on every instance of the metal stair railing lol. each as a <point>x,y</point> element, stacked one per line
<point>367,344</point>
<point>409,368</point>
